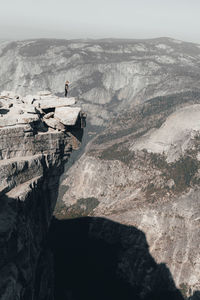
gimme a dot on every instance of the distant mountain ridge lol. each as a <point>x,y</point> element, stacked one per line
<point>107,75</point>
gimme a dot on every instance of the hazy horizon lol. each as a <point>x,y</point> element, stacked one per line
<point>93,39</point>
<point>123,19</point>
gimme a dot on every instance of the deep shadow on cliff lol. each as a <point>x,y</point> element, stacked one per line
<point>95,258</point>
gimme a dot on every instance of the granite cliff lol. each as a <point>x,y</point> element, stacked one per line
<point>37,135</point>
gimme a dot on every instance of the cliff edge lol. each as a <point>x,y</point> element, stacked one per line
<point>37,135</point>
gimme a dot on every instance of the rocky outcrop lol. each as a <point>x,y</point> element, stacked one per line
<point>34,144</point>
<point>143,171</point>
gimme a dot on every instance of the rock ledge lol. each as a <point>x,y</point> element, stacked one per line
<point>33,148</point>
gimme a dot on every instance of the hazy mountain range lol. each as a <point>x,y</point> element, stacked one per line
<point>107,75</point>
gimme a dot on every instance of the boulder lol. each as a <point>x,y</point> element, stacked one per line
<point>53,102</point>
<point>67,115</point>
<point>49,115</point>
<point>53,123</point>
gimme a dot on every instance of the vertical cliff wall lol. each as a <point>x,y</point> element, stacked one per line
<point>37,136</point>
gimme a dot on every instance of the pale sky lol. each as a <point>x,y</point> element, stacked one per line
<point>23,19</point>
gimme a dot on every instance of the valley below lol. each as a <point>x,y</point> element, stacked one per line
<point>143,171</point>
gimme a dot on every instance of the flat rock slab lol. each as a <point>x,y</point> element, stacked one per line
<point>24,108</point>
<point>12,120</point>
<point>53,123</point>
<point>44,93</point>
<point>27,118</point>
<point>67,115</point>
<point>53,102</point>
<point>9,94</point>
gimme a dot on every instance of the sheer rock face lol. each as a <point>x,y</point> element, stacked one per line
<point>106,75</point>
<point>31,162</point>
<point>144,171</point>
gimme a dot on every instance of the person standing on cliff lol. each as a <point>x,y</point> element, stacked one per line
<point>66,88</point>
